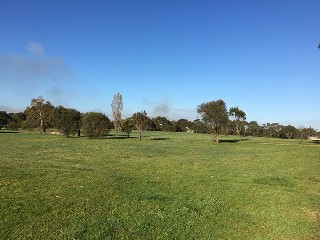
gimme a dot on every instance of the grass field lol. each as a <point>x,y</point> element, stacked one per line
<point>167,186</point>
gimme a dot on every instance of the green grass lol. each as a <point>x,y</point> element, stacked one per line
<point>167,186</point>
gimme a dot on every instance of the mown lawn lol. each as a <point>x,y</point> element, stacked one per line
<point>167,186</point>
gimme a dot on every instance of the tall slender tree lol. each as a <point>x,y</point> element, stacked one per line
<point>214,115</point>
<point>239,117</point>
<point>117,108</point>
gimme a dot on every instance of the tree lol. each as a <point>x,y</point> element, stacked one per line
<point>127,126</point>
<point>199,126</point>
<point>253,128</point>
<point>67,120</point>
<point>15,121</point>
<point>18,118</point>
<point>230,128</point>
<point>4,119</point>
<point>182,125</point>
<point>302,133</point>
<point>95,124</point>
<point>38,114</point>
<point>245,127</point>
<point>306,132</point>
<point>272,130</point>
<point>214,115</point>
<point>117,107</point>
<point>238,117</point>
<point>289,132</point>
<point>31,119</point>
<point>162,124</point>
<point>150,125</point>
<point>140,120</point>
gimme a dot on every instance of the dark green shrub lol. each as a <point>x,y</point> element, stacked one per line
<point>95,124</point>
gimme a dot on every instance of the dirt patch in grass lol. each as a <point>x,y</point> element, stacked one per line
<point>56,133</point>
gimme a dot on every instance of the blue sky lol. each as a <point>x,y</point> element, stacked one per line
<point>165,57</point>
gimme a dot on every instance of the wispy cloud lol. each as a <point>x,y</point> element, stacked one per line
<point>160,108</point>
<point>166,109</point>
<point>187,113</point>
<point>34,71</point>
<point>19,68</point>
<point>36,49</point>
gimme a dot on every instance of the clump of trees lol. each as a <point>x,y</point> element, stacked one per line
<point>12,121</point>
<point>162,124</point>
<point>4,119</point>
<point>215,119</point>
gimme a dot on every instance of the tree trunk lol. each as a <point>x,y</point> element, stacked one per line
<point>41,123</point>
<point>217,138</point>
<point>140,134</point>
<point>239,131</point>
<point>216,133</point>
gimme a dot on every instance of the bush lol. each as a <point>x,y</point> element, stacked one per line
<point>66,120</point>
<point>13,125</point>
<point>127,126</point>
<point>95,124</point>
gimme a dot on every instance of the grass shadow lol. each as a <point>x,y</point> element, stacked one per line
<point>8,131</point>
<point>159,139</point>
<point>232,140</point>
<point>274,181</point>
<point>120,137</point>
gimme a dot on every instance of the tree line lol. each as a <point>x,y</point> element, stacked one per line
<point>215,119</point>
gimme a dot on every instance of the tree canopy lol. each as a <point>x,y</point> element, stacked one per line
<point>4,119</point>
<point>127,126</point>
<point>140,120</point>
<point>214,119</point>
<point>95,124</point>
<point>238,116</point>
<point>67,120</point>
<point>214,115</point>
<point>39,113</point>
